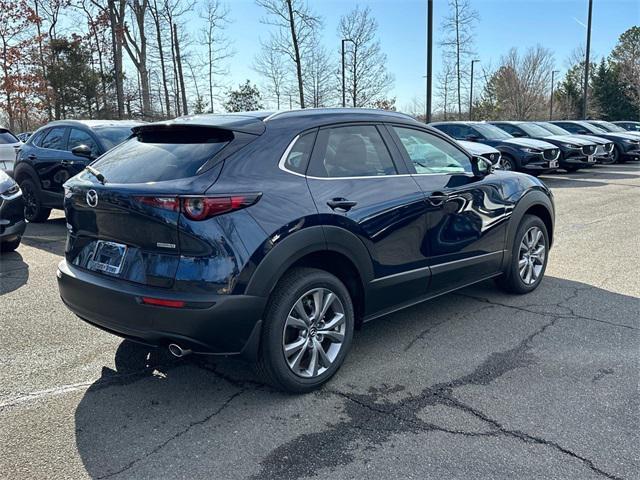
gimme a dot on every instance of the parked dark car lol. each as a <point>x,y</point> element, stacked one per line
<point>521,154</point>
<point>12,222</point>
<point>274,236</point>
<point>626,145</point>
<point>604,149</point>
<point>612,127</point>
<point>629,126</point>
<point>575,152</point>
<point>57,152</point>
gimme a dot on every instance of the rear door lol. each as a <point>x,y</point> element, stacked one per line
<point>358,186</point>
<point>466,214</point>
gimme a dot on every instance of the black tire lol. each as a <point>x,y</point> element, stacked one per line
<point>508,163</point>
<point>511,280</point>
<point>272,364</point>
<point>617,156</point>
<point>571,168</point>
<point>9,245</point>
<point>33,210</point>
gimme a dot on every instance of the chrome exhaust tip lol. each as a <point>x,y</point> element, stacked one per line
<point>178,351</point>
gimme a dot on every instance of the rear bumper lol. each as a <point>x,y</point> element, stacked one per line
<point>209,324</point>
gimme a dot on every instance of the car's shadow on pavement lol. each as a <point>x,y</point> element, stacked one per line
<point>435,367</point>
<point>49,236</point>
<point>14,272</point>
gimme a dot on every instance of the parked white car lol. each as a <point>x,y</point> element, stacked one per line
<point>9,145</point>
<point>482,150</point>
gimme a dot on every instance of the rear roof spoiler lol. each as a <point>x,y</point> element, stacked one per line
<point>231,122</point>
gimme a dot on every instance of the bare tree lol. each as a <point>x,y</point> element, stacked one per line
<point>156,14</point>
<point>320,81</point>
<point>446,80</point>
<point>365,70</point>
<point>216,17</point>
<point>270,64</point>
<point>136,46</point>
<point>521,83</point>
<point>457,28</point>
<point>296,27</point>
<point>183,90</point>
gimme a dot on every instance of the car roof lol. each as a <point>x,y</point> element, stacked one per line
<point>459,122</point>
<point>256,122</point>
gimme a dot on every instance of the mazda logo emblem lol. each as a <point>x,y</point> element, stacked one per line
<point>92,198</point>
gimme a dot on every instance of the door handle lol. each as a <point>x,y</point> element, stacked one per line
<point>437,198</point>
<point>66,163</point>
<point>341,204</point>
<point>32,157</point>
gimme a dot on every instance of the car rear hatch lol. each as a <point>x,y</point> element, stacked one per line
<point>124,211</point>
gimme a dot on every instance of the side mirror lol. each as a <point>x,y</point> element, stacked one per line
<point>482,166</point>
<point>517,134</point>
<point>472,138</point>
<point>82,151</point>
<point>583,132</point>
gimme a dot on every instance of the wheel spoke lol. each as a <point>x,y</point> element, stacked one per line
<point>296,323</point>
<point>291,348</point>
<point>522,263</point>
<point>332,335</point>
<point>538,236</point>
<point>299,307</point>
<point>295,364</point>
<point>312,369</point>
<point>336,321</point>
<point>318,297</point>
<point>322,355</point>
<point>327,303</point>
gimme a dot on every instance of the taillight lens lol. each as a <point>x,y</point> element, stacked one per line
<point>201,208</point>
<point>161,302</point>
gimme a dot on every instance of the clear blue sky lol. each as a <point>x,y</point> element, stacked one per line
<point>555,24</point>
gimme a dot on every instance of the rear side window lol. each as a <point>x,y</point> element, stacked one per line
<point>54,139</point>
<point>112,136</point>
<point>7,137</point>
<point>78,137</point>
<point>351,151</point>
<point>570,127</point>
<point>160,154</point>
<point>298,157</point>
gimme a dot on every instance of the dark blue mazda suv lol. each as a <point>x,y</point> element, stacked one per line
<point>273,236</point>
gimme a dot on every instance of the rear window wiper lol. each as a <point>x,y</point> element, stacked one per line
<point>97,174</point>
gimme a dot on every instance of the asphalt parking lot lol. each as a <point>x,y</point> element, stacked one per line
<point>476,384</point>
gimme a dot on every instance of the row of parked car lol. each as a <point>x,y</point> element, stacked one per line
<point>41,162</point>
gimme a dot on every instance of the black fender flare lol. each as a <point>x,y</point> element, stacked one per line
<point>304,242</point>
<point>530,199</point>
<point>22,170</point>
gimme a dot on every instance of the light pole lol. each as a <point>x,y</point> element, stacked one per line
<point>553,74</point>
<point>471,90</point>
<point>586,63</point>
<point>427,103</point>
<point>345,40</point>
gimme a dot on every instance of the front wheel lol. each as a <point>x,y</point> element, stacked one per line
<point>529,255</point>
<point>508,163</point>
<point>307,332</point>
<point>617,156</point>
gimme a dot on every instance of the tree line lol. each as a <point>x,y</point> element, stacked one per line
<point>148,59</point>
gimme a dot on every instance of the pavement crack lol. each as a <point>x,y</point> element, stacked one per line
<point>177,435</point>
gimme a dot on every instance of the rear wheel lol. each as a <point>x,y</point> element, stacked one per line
<point>33,209</point>
<point>307,331</point>
<point>508,163</point>
<point>529,254</point>
<point>10,245</point>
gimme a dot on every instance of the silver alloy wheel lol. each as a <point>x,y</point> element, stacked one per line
<point>507,164</point>
<point>532,255</point>
<point>314,332</point>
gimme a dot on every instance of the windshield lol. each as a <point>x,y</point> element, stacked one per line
<point>491,132</point>
<point>156,155</point>
<point>534,130</point>
<point>556,130</point>
<point>112,136</point>
<point>7,137</point>
<point>611,127</point>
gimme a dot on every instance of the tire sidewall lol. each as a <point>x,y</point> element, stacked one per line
<point>518,284</point>
<point>30,187</point>
<point>278,311</point>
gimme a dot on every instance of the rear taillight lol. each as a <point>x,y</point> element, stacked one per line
<point>201,208</point>
<point>162,302</point>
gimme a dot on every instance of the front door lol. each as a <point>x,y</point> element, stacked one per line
<point>467,214</point>
<point>47,159</point>
<point>358,186</point>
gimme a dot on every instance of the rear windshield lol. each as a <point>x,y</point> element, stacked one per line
<point>160,154</point>
<point>7,137</point>
<point>112,136</point>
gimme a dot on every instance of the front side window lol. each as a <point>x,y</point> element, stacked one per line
<point>79,137</point>
<point>431,154</point>
<point>491,132</point>
<point>6,137</point>
<point>351,151</point>
<point>54,139</point>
